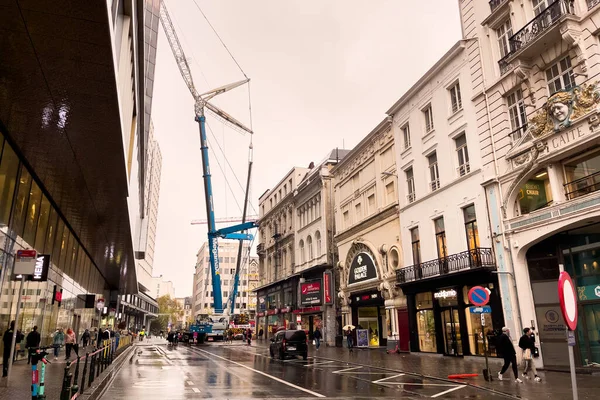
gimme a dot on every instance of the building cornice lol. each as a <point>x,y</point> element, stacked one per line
<point>425,79</point>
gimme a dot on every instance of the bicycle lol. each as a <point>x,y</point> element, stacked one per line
<point>397,348</point>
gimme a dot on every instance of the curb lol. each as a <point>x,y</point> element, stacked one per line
<point>104,383</point>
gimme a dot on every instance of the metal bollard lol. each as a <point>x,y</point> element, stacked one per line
<point>75,387</point>
<point>92,369</point>
<point>65,393</point>
<point>84,373</point>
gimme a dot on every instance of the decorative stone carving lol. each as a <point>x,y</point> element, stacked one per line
<point>564,107</point>
<point>388,289</point>
<point>523,158</point>
<point>344,297</point>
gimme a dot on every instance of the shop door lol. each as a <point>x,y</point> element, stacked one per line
<point>452,337</point>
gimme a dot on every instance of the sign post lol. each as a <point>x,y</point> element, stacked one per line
<point>480,296</point>
<point>568,306</point>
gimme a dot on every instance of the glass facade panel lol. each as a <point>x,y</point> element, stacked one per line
<point>52,226</point>
<point>20,207</point>
<point>33,213</point>
<point>426,331</point>
<point>535,193</point>
<point>42,224</point>
<point>9,167</point>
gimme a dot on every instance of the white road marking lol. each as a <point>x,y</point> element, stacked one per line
<point>345,370</point>
<point>318,363</point>
<point>265,374</point>
<point>448,391</point>
<point>196,390</point>
<point>389,377</point>
<point>190,383</point>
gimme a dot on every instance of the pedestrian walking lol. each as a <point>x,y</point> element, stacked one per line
<point>527,346</point>
<point>317,335</point>
<point>32,342</point>
<point>350,340</point>
<point>249,336</point>
<point>85,338</point>
<point>7,339</point>
<point>506,349</point>
<point>58,340</point>
<point>70,341</point>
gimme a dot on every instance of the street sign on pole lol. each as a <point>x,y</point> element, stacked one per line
<point>479,296</point>
<point>482,320</point>
<point>25,262</point>
<point>480,310</point>
<point>568,305</point>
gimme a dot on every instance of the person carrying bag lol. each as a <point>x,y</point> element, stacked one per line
<point>527,346</point>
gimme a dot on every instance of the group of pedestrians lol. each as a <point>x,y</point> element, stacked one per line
<point>506,349</point>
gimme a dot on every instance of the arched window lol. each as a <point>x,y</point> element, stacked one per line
<point>310,248</point>
<point>318,240</point>
<point>301,246</point>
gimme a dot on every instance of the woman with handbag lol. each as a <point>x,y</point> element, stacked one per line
<point>528,347</point>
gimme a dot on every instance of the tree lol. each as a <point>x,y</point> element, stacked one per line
<point>169,310</point>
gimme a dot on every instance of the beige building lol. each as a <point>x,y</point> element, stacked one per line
<point>187,317</point>
<point>537,109</point>
<point>368,239</point>
<point>161,287</point>
<point>202,298</point>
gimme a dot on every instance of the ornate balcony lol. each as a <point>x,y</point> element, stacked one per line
<point>592,3</point>
<point>537,26</point>
<point>471,259</point>
<point>582,186</point>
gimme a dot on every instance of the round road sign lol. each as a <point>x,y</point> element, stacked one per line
<point>568,299</point>
<point>479,296</point>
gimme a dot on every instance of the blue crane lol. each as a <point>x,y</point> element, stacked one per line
<point>238,232</point>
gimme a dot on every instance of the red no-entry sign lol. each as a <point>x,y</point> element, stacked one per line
<point>568,299</point>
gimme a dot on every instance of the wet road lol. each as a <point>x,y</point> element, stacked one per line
<point>238,372</point>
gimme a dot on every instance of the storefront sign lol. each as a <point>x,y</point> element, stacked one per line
<point>445,294</point>
<point>42,265</point>
<point>25,262</point>
<point>367,298</point>
<point>286,310</point>
<point>589,292</point>
<point>328,287</point>
<point>307,310</point>
<point>362,269</point>
<point>260,314</point>
<point>273,312</point>
<point>362,338</point>
<point>551,322</point>
<point>262,303</point>
<point>565,138</point>
<point>310,292</point>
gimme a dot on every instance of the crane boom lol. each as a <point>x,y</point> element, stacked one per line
<point>201,103</point>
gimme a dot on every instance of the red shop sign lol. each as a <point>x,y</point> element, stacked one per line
<point>307,310</point>
<point>327,286</point>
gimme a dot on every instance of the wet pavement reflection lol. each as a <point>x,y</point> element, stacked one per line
<point>238,372</point>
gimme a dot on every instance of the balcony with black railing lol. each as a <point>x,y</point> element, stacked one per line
<point>541,25</point>
<point>480,257</point>
<point>582,186</point>
<point>592,3</point>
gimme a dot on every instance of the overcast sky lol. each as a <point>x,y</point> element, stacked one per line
<point>322,72</point>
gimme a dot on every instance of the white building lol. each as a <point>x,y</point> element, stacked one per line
<point>368,239</point>
<point>160,287</point>
<point>187,317</point>
<point>203,301</point>
<point>443,216</point>
<point>537,113</point>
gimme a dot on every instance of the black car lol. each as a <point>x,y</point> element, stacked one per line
<point>289,343</point>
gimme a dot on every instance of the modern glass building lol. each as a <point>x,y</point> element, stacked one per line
<point>75,98</point>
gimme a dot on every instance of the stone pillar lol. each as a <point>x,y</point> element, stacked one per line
<point>556,183</point>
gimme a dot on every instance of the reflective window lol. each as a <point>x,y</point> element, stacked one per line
<point>9,167</point>
<point>535,193</point>
<point>64,242</point>
<point>52,225</point>
<point>24,186</point>
<point>471,227</point>
<point>42,225</point>
<point>57,242</point>
<point>33,212</point>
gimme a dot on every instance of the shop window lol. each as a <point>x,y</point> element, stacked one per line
<point>20,211</point>
<point>426,322</point>
<point>368,318</point>
<point>582,175</point>
<point>9,167</point>
<point>415,245</point>
<point>535,193</point>
<point>471,227</point>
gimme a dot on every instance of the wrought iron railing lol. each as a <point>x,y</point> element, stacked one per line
<point>592,3</point>
<point>517,133</point>
<point>545,20</point>
<point>463,169</point>
<point>435,185</point>
<point>582,186</point>
<point>476,258</point>
<point>411,197</point>
<point>495,4</point>
<point>504,65</point>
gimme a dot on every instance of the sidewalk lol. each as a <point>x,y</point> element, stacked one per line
<point>20,380</point>
<point>554,385</point>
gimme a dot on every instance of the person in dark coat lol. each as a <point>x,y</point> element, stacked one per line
<point>318,336</point>
<point>527,345</point>
<point>506,349</point>
<point>7,339</point>
<point>32,342</point>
